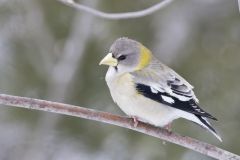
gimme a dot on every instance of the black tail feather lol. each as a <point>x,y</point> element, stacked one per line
<point>208,126</point>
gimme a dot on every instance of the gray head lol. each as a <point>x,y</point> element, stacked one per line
<point>127,55</point>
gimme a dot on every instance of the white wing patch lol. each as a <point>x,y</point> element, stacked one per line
<point>170,83</point>
<point>181,98</point>
<point>153,90</point>
<point>167,99</point>
<point>168,90</point>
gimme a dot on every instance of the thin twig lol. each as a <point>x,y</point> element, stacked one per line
<point>117,16</point>
<point>76,111</point>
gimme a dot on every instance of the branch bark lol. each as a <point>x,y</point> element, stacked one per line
<point>117,16</point>
<point>125,122</point>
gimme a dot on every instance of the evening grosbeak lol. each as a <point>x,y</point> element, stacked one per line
<point>149,91</point>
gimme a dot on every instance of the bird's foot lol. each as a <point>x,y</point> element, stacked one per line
<point>168,127</point>
<point>135,121</point>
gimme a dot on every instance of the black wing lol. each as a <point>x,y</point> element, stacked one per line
<point>165,98</point>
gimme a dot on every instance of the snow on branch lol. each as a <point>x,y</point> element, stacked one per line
<point>125,122</point>
<point>117,16</point>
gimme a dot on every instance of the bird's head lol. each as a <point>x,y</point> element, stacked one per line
<point>127,55</point>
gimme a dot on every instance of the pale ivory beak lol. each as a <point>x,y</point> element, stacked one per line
<point>109,60</point>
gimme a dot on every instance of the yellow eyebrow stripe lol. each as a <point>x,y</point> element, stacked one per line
<point>145,57</point>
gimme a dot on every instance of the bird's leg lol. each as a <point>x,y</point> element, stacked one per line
<point>168,127</point>
<point>135,121</point>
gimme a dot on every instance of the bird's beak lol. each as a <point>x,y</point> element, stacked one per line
<point>109,60</point>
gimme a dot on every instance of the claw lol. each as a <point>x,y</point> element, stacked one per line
<point>168,127</point>
<point>135,121</point>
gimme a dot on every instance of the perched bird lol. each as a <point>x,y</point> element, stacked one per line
<point>149,91</point>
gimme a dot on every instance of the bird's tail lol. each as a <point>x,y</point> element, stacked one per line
<point>204,123</point>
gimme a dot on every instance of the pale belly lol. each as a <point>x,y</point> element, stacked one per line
<point>135,104</point>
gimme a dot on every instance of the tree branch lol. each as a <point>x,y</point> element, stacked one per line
<point>117,16</point>
<point>125,122</point>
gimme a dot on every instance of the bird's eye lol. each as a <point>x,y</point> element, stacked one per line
<point>122,57</point>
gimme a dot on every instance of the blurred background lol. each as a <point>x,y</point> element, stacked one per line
<point>51,51</point>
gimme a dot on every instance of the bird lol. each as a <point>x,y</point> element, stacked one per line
<point>149,91</point>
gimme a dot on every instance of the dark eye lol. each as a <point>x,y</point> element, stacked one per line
<point>122,57</point>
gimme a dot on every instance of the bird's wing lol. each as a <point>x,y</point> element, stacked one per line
<point>162,84</point>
